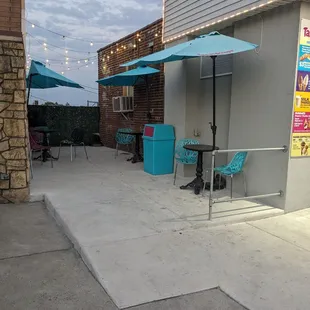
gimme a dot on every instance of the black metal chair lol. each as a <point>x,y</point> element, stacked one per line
<point>77,139</point>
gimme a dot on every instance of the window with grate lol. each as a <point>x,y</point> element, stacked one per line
<point>223,66</point>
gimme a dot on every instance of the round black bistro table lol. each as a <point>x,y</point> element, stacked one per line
<point>137,157</point>
<point>198,182</point>
<point>45,131</point>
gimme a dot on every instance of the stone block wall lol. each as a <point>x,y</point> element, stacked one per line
<point>13,124</point>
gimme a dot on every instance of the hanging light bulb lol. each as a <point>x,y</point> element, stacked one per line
<point>124,47</point>
<point>47,60</point>
<point>28,55</point>
<point>135,45</point>
<point>86,60</point>
<point>44,44</point>
<point>91,43</point>
<point>108,57</point>
<point>32,25</point>
<point>67,58</point>
<point>66,62</point>
<point>78,61</point>
<point>27,67</point>
<point>92,62</point>
<point>139,39</point>
<point>66,51</point>
<point>156,34</point>
<point>62,73</point>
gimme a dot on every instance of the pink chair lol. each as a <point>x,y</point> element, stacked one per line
<point>36,147</point>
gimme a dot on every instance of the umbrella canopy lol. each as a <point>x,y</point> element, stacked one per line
<point>41,77</point>
<point>212,44</point>
<point>128,78</point>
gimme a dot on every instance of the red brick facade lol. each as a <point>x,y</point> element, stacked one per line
<point>140,43</point>
<point>11,17</point>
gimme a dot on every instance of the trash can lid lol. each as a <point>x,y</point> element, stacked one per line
<point>159,132</point>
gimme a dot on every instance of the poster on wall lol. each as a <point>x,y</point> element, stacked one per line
<point>300,145</point>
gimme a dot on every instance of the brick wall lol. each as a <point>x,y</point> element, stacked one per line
<point>10,17</point>
<point>110,58</point>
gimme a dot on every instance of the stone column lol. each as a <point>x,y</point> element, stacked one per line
<point>14,164</point>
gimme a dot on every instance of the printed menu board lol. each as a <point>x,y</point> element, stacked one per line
<point>300,145</point>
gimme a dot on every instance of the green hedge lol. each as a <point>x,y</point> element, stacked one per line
<point>65,118</point>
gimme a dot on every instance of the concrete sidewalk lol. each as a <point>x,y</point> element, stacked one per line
<point>39,269</point>
<point>145,240</point>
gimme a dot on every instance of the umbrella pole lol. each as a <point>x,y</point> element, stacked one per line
<point>213,124</point>
<point>29,87</point>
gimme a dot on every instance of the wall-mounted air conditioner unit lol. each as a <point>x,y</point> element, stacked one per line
<point>122,104</point>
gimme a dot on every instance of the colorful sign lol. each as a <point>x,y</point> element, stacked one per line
<point>300,145</point>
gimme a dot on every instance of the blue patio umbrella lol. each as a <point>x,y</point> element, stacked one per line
<point>213,44</point>
<point>40,77</point>
<point>130,78</point>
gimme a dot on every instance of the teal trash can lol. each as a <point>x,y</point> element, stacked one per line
<point>158,148</point>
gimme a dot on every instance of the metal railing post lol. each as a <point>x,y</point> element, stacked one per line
<point>211,186</point>
<point>212,201</point>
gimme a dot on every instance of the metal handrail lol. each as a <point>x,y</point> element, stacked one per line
<point>211,201</point>
<point>264,149</point>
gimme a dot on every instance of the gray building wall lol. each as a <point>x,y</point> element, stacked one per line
<point>188,106</point>
<point>262,98</point>
<point>183,16</point>
<point>298,185</point>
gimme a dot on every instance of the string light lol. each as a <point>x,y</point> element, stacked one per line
<point>66,51</point>
<point>134,46</point>
<point>44,44</point>
<point>67,58</point>
<point>91,42</point>
<point>66,62</point>
<point>79,62</point>
<point>86,60</point>
<point>111,52</point>
<point>92,62</point>
<point>62,73</point>
<point>156,34</point>
<point>47,60</point>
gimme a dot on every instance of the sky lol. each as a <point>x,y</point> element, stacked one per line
<point>53,28</point>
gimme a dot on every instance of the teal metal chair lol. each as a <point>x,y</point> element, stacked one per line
<point>233,168</point>
<point>123,139</point>
<point>183,156</point>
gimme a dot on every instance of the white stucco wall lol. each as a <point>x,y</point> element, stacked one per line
<point>262,96</point>
<point>298,184</point>
<point>188,106</point>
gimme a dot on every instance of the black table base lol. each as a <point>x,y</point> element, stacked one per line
<point>137,157</point>
<point>197,184</point>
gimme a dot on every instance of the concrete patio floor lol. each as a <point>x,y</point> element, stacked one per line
<point>146,240</point>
